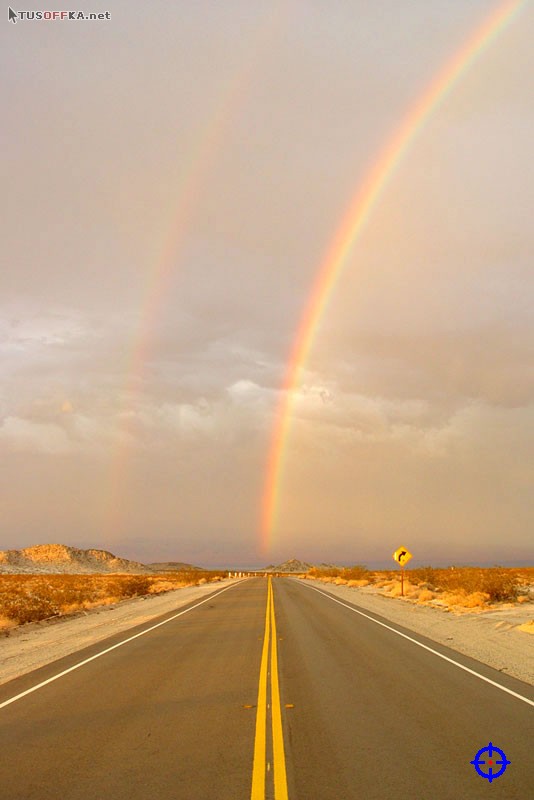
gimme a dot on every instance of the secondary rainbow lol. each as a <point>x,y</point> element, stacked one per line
<point>362,205</point>
<point>193,184</point>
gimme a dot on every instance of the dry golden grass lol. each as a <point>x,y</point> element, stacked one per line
<point>30,598</point>
<point>425,595</point>
<point>465,587</point>
<point>355,573</point>
<point>528,627</point>
<point>498,583</point>
<point>6,624</point>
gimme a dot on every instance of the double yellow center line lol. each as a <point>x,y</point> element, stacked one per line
<point>262,767</point>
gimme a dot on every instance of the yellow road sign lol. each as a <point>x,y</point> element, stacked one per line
<point>402,556</point>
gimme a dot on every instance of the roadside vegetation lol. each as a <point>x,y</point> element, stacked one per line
<point>498,583</point>
<point>31,598</point>
<point>358,575</point>
<point>450,587</point>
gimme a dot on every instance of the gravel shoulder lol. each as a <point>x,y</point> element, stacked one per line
<point>36,644</point>
<point>493,637</point>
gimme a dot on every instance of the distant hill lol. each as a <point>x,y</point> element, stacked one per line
<point>293,565</point>
<point>171,566</point>
<point>61,558</point>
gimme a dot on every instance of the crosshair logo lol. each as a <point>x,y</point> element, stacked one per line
<point>491,762</point>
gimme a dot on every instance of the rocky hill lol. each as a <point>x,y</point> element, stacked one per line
<point>293,565</point>
<point>60,558</point>
<point>171,566</point>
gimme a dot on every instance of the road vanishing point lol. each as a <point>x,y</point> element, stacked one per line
<point>267,689</point>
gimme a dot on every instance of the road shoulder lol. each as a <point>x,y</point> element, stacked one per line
<point>32,646</point>
<point>490,638</point>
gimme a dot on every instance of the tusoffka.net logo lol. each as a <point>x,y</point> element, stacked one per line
<point>56,16</point>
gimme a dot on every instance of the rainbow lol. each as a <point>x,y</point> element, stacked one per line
<point>194,180</point>
<point>155,288</point>
<point>348,233</point>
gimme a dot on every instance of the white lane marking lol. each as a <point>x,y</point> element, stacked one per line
<point>424,646</point>
<point>113,647</point>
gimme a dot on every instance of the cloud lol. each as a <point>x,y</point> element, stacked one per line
<point>489,363</point>
<point>153,294</point>
<point>23,435</point>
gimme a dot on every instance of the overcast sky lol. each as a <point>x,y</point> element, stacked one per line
<point>172,180</point>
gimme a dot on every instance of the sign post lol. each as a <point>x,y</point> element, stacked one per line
<point>402,556</point>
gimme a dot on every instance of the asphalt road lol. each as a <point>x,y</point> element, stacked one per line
<point>308,695</point>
